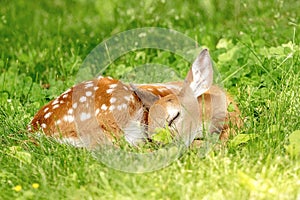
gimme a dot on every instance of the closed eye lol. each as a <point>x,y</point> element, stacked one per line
<point>174,118</point>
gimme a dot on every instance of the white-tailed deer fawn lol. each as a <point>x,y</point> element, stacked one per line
<point>102,109</point>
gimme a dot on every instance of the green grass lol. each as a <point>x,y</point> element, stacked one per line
<point>255,47</point>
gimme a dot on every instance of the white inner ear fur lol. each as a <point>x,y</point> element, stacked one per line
<point>202,72</point>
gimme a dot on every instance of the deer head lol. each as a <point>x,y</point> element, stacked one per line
<point>180,111</point>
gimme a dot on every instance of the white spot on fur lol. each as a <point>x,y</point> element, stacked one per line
<point>65,96</point>
<point>55,106</point>
<point>70,111</point>
<point>84,116</point>
<point>125,87</point>
<point>46,116</point>
<point>96,88</point>
<point>103,107</point>
<point>127,98</point>
<point>111,108</point>
<point>82,99</point>
<point>119,107</point>
<point>110,78</point>
<point>109,91</point>
<point>99,77</point>
<point>43,125</point>
<point>112,86</point>
<point>162,89</point>
<point>88,93</point>
<point>55,102</point>
<point>57,122</point>
<point>61,102</point>
<point>74,105</point>
<point>88,85</point>
<point>124,105</point>
<point>97,111</point>
<point>46,109</point>
<point>67,91</point>
<point>112,100</point>
<point>69,118</point>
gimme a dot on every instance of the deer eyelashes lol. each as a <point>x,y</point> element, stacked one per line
<point>173,119</point>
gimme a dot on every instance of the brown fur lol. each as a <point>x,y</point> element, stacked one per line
<point>106,106</point>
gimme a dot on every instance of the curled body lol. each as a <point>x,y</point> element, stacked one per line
<point>103,109</point>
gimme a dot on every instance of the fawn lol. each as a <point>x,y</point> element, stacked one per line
<point>100,110</point>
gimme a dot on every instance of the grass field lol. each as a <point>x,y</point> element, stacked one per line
<point>254,45</point>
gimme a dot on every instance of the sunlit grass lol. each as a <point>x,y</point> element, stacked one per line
<point>255,47</point>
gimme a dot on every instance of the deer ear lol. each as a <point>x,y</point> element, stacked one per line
<point>200,76</point>
<point>146,97</point>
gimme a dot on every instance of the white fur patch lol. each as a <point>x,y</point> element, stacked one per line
<point>47,115</point>
<point>112,86</point>
<point>108,91</point>
<point>112,100</point>
<point>88,85</point>
<point>57,122</point>
<point>84,116</point>
<point>103,107</point>
<point>127,98</point>
<point>119,107</point>
<point>55,106</point>
<point>96,88</point>
<point>88,93</point>
<point>67,91</point>
<point>97,111</point>
<point>74,105</point>
<point>82,99</point>
<point>70,111</point>
<point>56,101</point>
<point>68,118</point>
<point>124,105</point>
<point>111,108</point>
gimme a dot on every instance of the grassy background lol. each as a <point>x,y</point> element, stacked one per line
<point>255,46</point>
